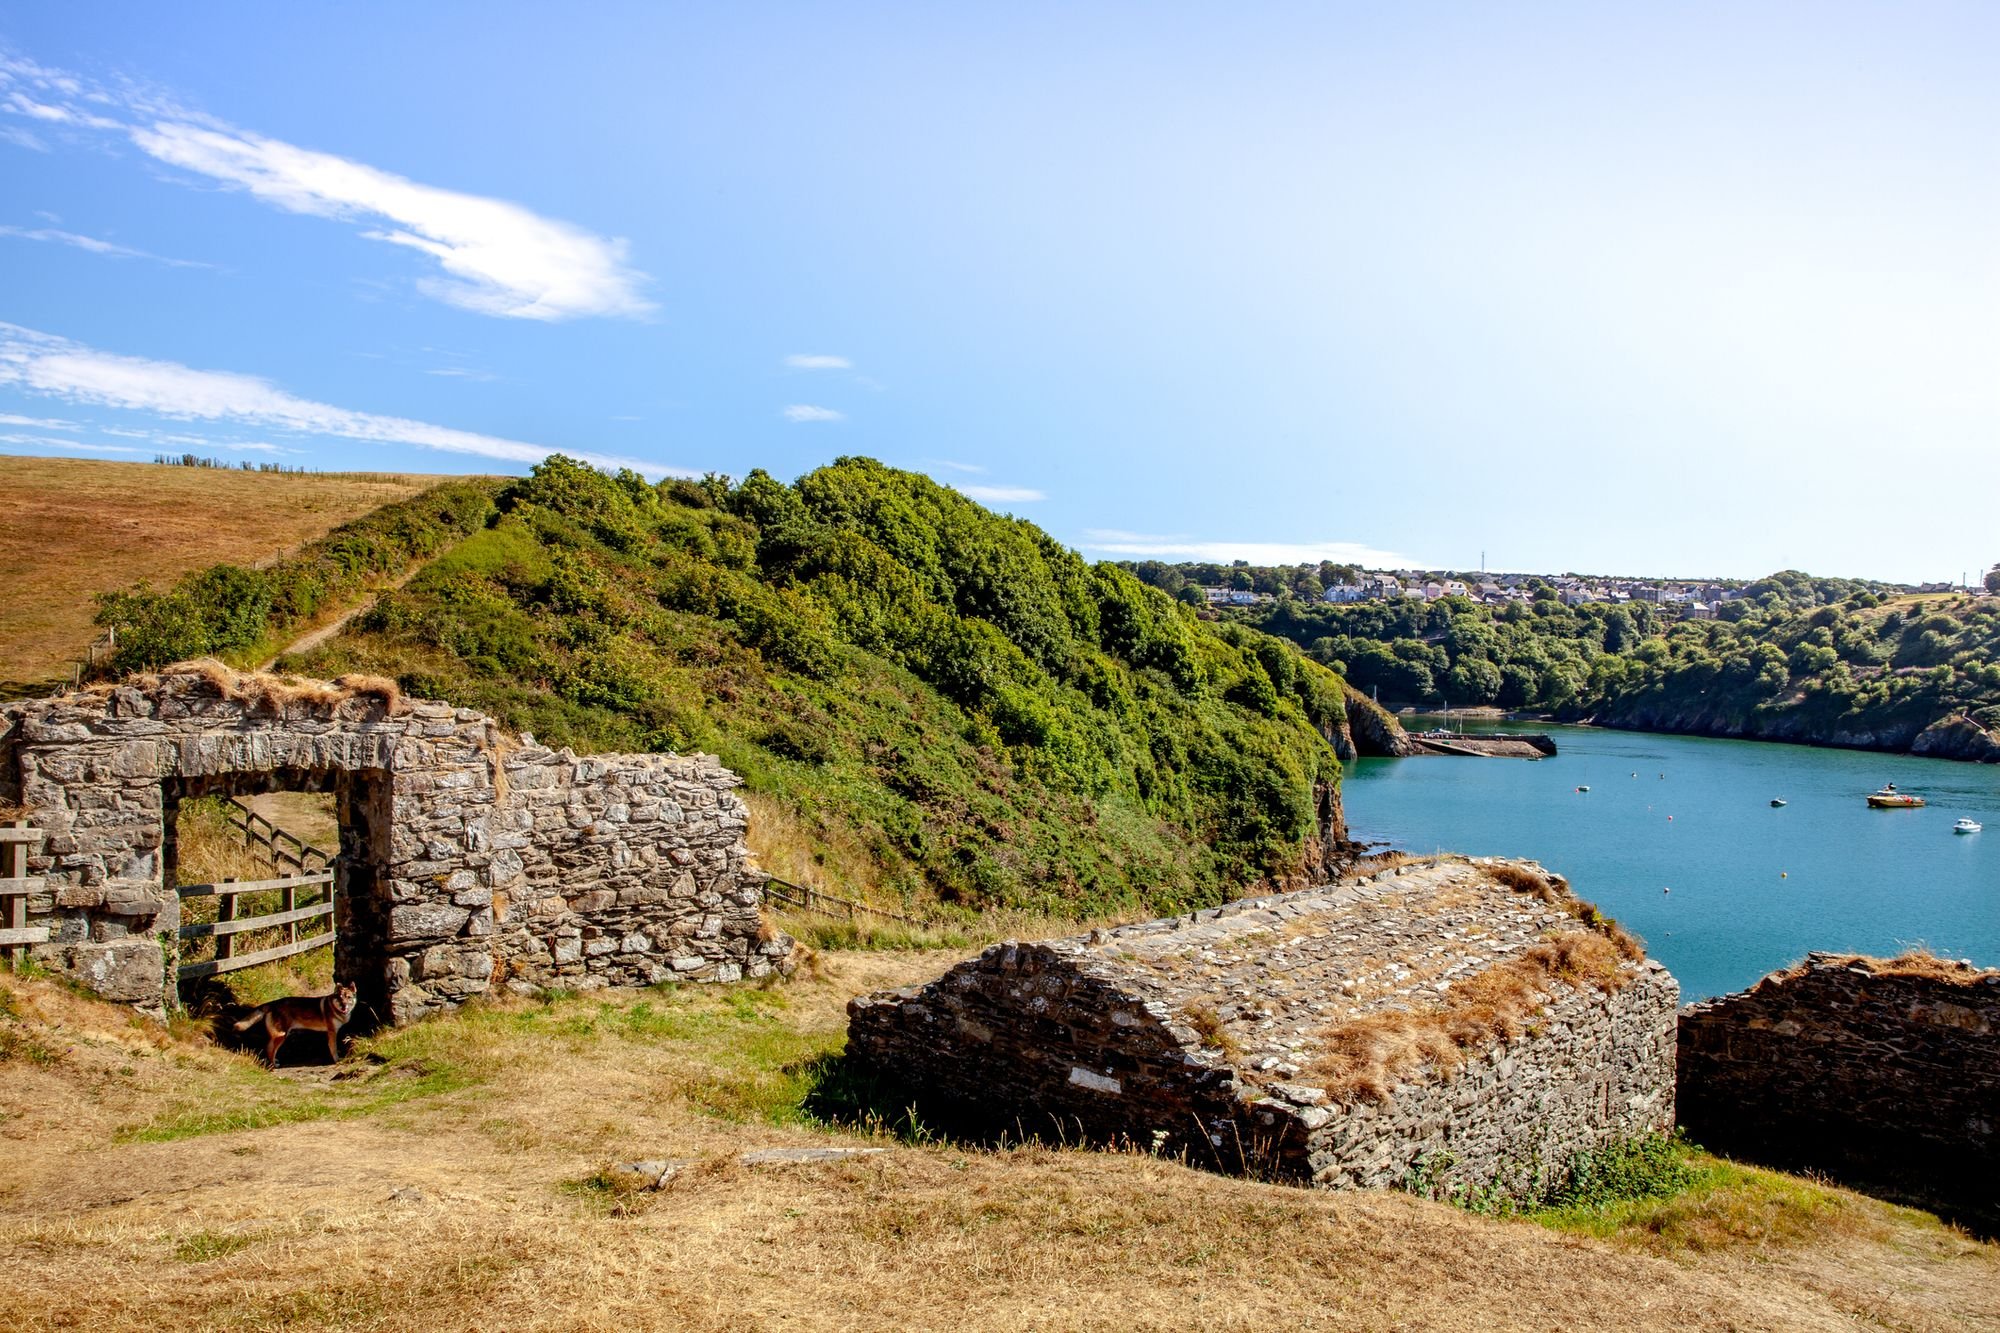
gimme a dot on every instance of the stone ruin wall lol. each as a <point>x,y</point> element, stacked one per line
<point>1059,1039</point>
<point>1595,1069</point>
<point>1849,1063</point>
<point>469,860</point>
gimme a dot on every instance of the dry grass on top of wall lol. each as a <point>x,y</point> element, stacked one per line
<point>1363,1059</point>
<point>1920,963</point>
<point>269,692</point>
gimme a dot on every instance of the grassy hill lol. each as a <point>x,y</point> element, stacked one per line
<point>931,703</point>
<point>943,703</point>
<point>78,527</point>
<point>452,1176</point>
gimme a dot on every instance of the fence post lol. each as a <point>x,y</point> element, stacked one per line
<point>225,910</point>
<point>288,898</point>
<point>14,865</point>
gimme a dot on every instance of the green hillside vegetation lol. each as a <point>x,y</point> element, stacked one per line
<point>242,613</point>
<point>953,707</point>
<point>1796,658</point>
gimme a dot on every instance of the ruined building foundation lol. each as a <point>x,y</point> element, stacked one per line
<point>1217,1036</point>
<point>469,858</point>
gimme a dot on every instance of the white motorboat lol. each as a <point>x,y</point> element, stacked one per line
<point>1967,826</point>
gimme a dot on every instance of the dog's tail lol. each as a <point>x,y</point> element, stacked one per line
<point>255,1017</point>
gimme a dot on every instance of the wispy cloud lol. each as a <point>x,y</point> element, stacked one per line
<point>817,361</point>
<point>22,138</point>
<point>1000,494</point>
<point>110,249</point>
<point>951,466</point>
<point>463,373</point>
<point>1139,545</point>
<point>807,412</point>
<point>51,442</point>
<point>60,368</point>
<point>39,423</point>
<point>497,257</point>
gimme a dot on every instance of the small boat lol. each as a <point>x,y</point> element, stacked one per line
<point>1583,789</point>
<point>1776,801</point>
<point>1891,799</point>
<point>1967,826</point>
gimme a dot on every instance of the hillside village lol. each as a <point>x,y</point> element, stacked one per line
<point>1694,599</point>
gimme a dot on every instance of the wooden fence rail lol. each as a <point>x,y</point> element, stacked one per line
<point>808,899</point>
<point>228,925</point>
<point>260,832</point>
<point>15,886</point>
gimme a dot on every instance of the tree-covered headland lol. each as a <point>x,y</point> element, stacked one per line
<point>1819,660</point>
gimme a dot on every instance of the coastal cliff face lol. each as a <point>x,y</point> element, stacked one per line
<point>1374,731</point>
<point>1955,737</point>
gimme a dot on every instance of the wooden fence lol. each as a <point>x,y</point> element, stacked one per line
<point>280,848</point>
<point>228,925</point>
<point>808,899</point>
<point>15,886</point>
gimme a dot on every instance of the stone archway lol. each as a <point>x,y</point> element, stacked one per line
<point>470,858</point>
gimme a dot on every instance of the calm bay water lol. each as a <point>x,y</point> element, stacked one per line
<point>1752,887</point>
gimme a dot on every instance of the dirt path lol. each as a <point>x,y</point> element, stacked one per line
<point>312,639</point>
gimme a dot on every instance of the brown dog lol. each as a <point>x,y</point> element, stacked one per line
<point>315,1013</point>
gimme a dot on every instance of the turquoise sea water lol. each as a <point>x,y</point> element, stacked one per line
<point>1752,887</point>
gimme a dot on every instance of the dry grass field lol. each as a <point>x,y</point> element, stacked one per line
<point>452,1176</point>
<point>78,527</point>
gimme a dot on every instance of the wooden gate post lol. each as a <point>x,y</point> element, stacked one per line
<point>225,910</point>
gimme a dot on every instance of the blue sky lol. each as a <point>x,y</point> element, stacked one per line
<point>1667,289</point>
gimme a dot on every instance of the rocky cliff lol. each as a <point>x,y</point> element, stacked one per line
<point>1373,729</point>
<point>1955,737</point>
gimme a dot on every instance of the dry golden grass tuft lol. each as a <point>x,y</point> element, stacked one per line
<point>441,1178</point>
<point>1532,883</point>
<point>1208,1025</point>
<point>1366,1057</point>
<point>269,692</point>
<point>1915,963</point>
<point>791,845</point>
<point>78,527</point>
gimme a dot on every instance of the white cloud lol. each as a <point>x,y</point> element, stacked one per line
<point>94,245</point>
<point>949,465</point>
<point>463,373</point>
<point>50,442</point>
<point>807,412</point>
<point>1146,546</point>
<point>21,138</point>
<point>1000,494</point>
<point>815,361</point>
<point>39,423</point>
<point>497,257</point>
<point>59,368</point>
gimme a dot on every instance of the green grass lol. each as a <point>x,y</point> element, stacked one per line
<point>256,1100</point>
<point>1657,1191</point>
<point>1719,1204</point>
<point>198,1247</point>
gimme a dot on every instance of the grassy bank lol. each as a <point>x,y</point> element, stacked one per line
<point>453,1176</point>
